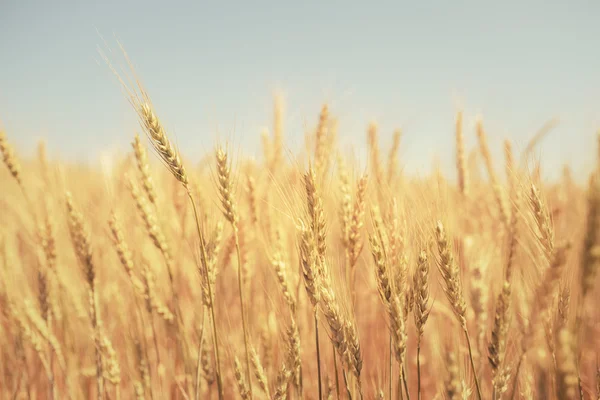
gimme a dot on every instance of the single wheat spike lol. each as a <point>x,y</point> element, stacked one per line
<point>321,156</point>
<point>343,333</point>
<point>354,353</point>
<point>564,299</point>
<point>138,390</point>
<point>398,328</point>
<point>41,326</point>
<point>346,200</point>
<point>308,266</point>
<point>83,249</point>
<point>280,267</point>
<point>549,328</point>
<point>328,388</point>
<point>381,271</point>
<point>316,215</point>
<point>150,220</point>
<point>497,346</point>
<point>421,290</point>
<point>398,260</point>
<point>43,293</point>
<point>124,253</point>
<point>479,303</point>
<point>120,245</point>
<point>251,191</point>
<point>544,294</point>
<point>113,369</point>
<point>81,241</point>
<point>212,251</point>
<point>240,380</point>
<point>334,319</point>
<point>10,159</point>
<point>382,233</point>
<point>451,276</point>
<point>501,381</point>
<point>207,367</point>
<point>225,186</point>
<point>259,371</point>
<point>29,334</point>
<point>281,383</point>
<point>47,238</point>
<point>141,159</point>
<point>512,236</point>
<point>266,346</point>
<point>161,143</point>
<point>392,302</point>
<point>543,221</point>
<point>566,379</point>
<point>244,253</point>
<point>151,297</point>
<point>143,368</point>
<point>293,357</point>
<point>463,180</point>
<point>453,290</point>
<point>395,243</point>
<point>355,244</point>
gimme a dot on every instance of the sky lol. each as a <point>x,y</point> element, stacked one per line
<point>212,68</point>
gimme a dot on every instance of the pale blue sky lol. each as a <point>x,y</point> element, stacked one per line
<point>213,66</point>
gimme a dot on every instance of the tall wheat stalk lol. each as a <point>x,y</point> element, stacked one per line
<point>83,249</point>
<point>225,187</point>
<point>453,290</point>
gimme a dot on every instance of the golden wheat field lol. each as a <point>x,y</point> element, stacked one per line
<point>297,276</point>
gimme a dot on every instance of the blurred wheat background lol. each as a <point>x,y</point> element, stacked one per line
<point>296,276</point>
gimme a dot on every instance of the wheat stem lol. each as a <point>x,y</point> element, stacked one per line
<point>212,307</point>
<point>318,355</point>
<point>479,396</point>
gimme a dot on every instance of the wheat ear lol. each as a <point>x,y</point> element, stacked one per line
<point>421,310</point>
<point>453,290</point>
<point>83,249</point>
<point>225,187</point>
<point>10,159</point>
<point>259,371</point>
<point>141,159</point>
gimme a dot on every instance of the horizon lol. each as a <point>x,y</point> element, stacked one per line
<point>213,72</point>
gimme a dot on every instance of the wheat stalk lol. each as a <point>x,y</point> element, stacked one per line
<point>453,290</point>
<point>83,249</point>
<point>225,187</point>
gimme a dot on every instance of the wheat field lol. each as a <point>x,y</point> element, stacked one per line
<point>301,276</point>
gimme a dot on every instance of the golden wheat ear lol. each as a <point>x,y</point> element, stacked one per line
<point>161,143</point>
<point>259,372</point>
<point>242,384</point>
<point>143,168</point>
<point>10,159</point>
